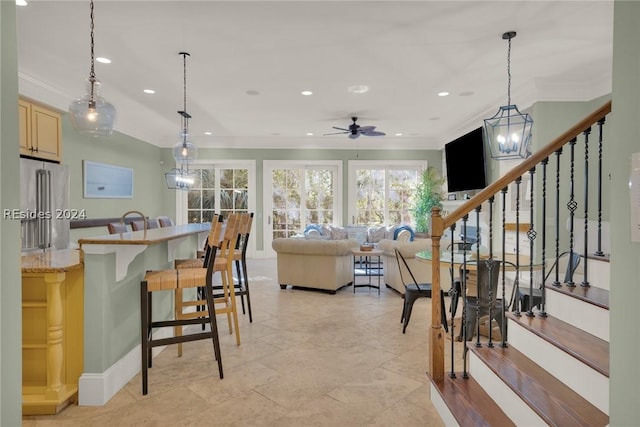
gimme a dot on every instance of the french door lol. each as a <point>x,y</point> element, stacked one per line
<point>222,187</point>
<point>297,194</point>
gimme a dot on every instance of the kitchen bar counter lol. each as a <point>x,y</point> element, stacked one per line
<point>55,261</point>
<point>114,266</point>
<point>147,237</point>
<point>127,246</point>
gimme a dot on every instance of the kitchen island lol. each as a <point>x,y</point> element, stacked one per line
<point>52,329</point>
<point>114,266</point>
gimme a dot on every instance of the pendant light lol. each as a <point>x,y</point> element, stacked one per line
<point>91,114</point>
<point>184,151</point>
<point>508,133</point>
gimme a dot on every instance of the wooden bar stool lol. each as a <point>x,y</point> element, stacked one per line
<point>240,258</point>
<point>177,280</point>
<point>224,295</point>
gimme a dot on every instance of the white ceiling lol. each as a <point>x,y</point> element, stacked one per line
<point>405,51</point>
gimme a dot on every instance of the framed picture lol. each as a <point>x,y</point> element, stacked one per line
<point>103,181</point>
<point>452,197</point>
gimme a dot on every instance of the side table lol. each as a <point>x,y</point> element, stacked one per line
<point>365,265</point>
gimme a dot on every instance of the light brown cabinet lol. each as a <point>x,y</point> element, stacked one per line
<point>40,131</point>
<point>52,330</point>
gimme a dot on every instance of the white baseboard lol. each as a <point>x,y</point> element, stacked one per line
<point>95,389</point>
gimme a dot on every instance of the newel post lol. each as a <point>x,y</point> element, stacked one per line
<point>436,347</point>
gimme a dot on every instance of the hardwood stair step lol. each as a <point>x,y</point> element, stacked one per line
<point>589,349</point>
<point>589,294</point>
<point>548,397</point>
<point>469,404</point>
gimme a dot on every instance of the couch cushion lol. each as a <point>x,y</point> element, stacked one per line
<point>314,247</point>
<point>408,249</point>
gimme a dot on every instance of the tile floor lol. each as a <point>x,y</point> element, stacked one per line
<point>308,359</point>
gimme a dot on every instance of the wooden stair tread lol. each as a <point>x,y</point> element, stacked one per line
<point>589,349</point>
<point>469,404</point>
<point>551,399</point>
<point>589,294</point>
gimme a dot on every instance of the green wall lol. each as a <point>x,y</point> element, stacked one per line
<point>10,288</point>
<point>625,265</point>
<point>118,150</point>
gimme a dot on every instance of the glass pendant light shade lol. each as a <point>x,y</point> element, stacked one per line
<point>508,133</point>
<point>92,115</point>
<point>185,151</point>
<point>180,179</point>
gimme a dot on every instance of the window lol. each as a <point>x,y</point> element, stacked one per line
<point>381,194</point>
<point>219,189</point>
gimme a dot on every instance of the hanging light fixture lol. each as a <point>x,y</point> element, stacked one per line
<point>91,114</point>
<point>508,133</point>
<point>180,179</point>
<point>184,151</point>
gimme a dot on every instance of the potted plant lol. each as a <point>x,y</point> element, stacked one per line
<point>429,193</point>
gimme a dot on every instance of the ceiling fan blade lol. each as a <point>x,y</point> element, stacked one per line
<point>335,127</point>
<point>374,133</point>
<point>365,129</point>
<point>336,133</point>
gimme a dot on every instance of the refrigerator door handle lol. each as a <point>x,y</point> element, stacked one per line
<point>48,211</point>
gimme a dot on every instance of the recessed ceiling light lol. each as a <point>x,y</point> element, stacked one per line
<point>467,93</point>
<point>103,60</point>
<point>399,134</point>
<point>306,92</point>
<point>252,92</point>
<point>21,2</point>
<point>445,93</point>
<point>309,133</point>
<point>208,133</point>
<point>149,91</point>
<point>358,89</point>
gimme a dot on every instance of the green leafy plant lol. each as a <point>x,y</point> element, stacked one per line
<point>429,193</point>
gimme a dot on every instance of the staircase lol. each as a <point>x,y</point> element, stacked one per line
<point>553,368</point>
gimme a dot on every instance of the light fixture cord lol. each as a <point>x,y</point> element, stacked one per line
<point>92,73</point>
<point>509,73</point>
<point>184,102</point>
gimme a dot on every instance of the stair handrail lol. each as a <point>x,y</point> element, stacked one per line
<point>439,224</point>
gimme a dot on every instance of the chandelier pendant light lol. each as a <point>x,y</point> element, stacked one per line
<point>184,152</point>
<point>508,134</point>
<point>91,114</point>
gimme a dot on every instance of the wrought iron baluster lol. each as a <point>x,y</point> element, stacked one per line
<point>556,282</point>
<point>453,296</point>
<point>586,133</point>
<point>463,279</point>
<point>543,302</point>
<point>599,249</point>
<point>531,234</point>
<point>518,181</point>
<point>572,206</point>
<point>503,338</point>
<point>477,281</point>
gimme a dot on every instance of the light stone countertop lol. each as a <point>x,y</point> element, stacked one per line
<point>147,237</point>
<point>52,261</point>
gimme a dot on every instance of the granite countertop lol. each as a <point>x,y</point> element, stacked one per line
<point>147,237</point>
<point>52,261</point>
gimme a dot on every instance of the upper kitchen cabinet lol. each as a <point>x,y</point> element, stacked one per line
<point>40,131</point>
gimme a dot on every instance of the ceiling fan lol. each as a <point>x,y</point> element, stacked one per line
<point>355,130</point>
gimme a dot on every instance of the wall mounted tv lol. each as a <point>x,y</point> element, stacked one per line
<point>465,162</point>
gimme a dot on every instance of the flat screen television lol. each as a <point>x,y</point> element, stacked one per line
<point>465,162</point>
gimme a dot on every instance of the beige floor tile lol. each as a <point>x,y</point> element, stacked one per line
<point>307,359</point>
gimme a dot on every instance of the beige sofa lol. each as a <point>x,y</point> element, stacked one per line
<point>420,269</point>
<point>315,263</point>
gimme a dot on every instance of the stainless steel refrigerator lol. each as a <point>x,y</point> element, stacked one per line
<point>44,205</point>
